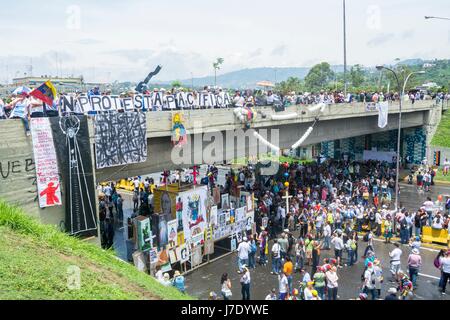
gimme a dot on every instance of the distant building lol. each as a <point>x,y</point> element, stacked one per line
<point>61,84</point>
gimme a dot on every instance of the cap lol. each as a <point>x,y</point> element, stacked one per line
<point>392,291</point>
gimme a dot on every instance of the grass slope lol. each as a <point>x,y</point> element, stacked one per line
<point>34,259</point>
<point>442,136</point>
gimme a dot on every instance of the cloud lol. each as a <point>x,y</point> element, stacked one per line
<point>380,39</point>
<point>279,50</point>
<point>256,53</point>
<point>407,34</point>
<point>132,55</point>
<point>87,41</point>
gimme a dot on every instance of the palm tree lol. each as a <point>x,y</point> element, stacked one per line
<point>216,66</point>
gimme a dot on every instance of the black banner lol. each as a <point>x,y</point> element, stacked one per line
<point>71,138</point>
<point>120,138</point>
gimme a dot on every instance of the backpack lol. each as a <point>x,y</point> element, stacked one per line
<point>253,248</point>
<point>436,262</point>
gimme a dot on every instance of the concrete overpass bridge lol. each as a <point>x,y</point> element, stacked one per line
<point>220,126</point>
<point>338,121</point>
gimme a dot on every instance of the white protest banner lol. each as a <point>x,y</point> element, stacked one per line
<point>47,176</point>
<point>383,114</point>
<point>144,102</point>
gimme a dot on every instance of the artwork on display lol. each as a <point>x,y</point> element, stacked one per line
<point>232,215</point>
<point>265,222</point>
<point>144,234</point>
<point>198,238</point>
<point>208,233</point>
<point>166,267</point>
<point>213,216</point>
<point>243,201</point>
<point>162,229</point>
<point>225,201</point>
<point>240,214</point>
<point>249,223</point>
<point>209,246</point>
<point>46,163</point>
<point>253,228</point>
<point>172,233</point>
<point>120,138</point>
<point>163,257</point>
<point>216,195</point>
<point>179,212</point>
<point>139,261</point>
<point>239,236</point>
<point>153,253</point>
<point>182,253</point>
<point>222,221</point>
<point>233,244</point>
<point>71,135</point>
<point>249,202</point>
<point>166,204</point>
<point>227,216</point>
<point>145,102</point>
<point>179,134</point>
<point>180,238</point>
<point>196,257</point>
<point>172,256</point>
<point>194,211</point>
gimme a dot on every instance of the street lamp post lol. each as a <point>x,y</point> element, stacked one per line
<point>401,91</point>
<point>345,51</point>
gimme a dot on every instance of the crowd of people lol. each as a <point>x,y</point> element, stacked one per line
<point>340,206</point>
<point>20,105</point>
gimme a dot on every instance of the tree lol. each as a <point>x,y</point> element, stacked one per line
<point>289,85</point>
<point>176,84</point>
<point>216,66</point>
<point>357,75</point>
<point>318,77</point>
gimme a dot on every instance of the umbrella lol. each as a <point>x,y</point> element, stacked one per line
<point>265,84</point>
<point>22,90</point>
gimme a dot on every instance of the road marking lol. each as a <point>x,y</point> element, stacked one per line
<point>429,276</point>
<point>421,248</point>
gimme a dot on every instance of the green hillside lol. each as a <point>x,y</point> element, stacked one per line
<point>442,136</point>
<point>34,261</point>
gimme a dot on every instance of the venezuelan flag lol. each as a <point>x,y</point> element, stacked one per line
<point>45,92</point>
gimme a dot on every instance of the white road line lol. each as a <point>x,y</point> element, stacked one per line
<point>428,276</point>
<point>421,248</point>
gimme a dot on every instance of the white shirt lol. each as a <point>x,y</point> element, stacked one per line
<point>276,250</point>
<point>332,279</point>
<point>243,249</point>
<point>445,263</point>
<point>327,230</point>
<point>338,243</point>
<point>283,283</point>
<point>308,294</point>
<point>368,278</point>
<point>395,256</point>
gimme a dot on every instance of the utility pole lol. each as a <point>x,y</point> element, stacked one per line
<point>345,52</point>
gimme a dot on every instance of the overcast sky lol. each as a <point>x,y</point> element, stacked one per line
<point>122,40</point>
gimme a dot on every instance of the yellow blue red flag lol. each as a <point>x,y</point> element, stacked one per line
<point>45,92</point>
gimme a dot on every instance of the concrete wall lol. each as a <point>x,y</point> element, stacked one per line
<point>18,176</point>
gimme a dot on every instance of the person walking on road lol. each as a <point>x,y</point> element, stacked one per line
<point>243,250</point>
<point>445,267</point>
<point>414,264</point>
<point>245,283</point>
<point>332,283</point>
<point>395,260</point>
<point>226,286</point>
<point>276,257</point>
